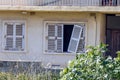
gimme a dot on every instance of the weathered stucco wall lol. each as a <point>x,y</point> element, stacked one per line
<point>35,34</point>
<point>101,28</point>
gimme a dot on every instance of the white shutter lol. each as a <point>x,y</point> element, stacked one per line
<point>59,38</point>
<point>75,38</point>
<point>9,29</point>
<point>55,37</point>
<point>51,38</point>
<point>19,29</point>
<point>19,42</point>
<point>9,36</point>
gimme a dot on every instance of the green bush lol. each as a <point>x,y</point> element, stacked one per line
<point>92,65</point>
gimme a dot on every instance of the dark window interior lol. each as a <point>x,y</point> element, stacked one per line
<point>112,34</point>
<point>109,2</point>
<point>67,35</point>
<point>113,22</point>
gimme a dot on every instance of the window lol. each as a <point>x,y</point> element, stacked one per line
<point>109,2</point>
<point>62,38</point>
<point>14,36</point>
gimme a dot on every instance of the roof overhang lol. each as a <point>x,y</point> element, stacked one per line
<point>101,9</point>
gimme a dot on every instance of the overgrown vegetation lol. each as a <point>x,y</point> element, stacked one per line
<point>32,74</point>
<point>92,65</point>
<point>48,75</point>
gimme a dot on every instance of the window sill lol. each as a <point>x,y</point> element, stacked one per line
<point>71,54</point>
<point>14,51</point>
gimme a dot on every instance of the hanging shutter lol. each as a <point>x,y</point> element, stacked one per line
<point>51,38</point>
<point>19,37</point>
<point>75,38</point>
<point>59,38</point>
<point>9,36</point>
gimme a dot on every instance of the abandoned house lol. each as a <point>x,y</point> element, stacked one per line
<point>53,31</point>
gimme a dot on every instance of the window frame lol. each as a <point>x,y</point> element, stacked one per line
<point>4,32</point>
<point>64,23</point>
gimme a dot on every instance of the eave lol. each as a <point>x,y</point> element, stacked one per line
<point>100,9</point>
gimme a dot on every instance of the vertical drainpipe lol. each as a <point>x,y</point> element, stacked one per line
<point>95,30</point>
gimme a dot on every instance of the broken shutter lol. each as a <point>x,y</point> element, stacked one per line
<point>14,37</point>
<point>75,38</point>
<point>55,33</point>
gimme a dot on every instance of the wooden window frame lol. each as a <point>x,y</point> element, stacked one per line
<point>64,23</point>
<point>4,32</point>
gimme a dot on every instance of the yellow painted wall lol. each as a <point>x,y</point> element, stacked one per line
<point>101,30</point>
<point>35,34</point>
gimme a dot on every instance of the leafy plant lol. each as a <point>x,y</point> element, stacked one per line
<point>92,65</point>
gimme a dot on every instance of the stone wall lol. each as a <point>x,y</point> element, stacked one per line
<point>20,67</point>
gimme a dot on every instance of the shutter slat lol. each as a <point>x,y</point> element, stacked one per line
<point>51,30</point>
<point>75,38</point>
<point>9,29</point>
<point>72,47</point>
<point>59,30</point>
<point>19,29</point>
<point>51,45</point>
<point>59,45</point>
<point>9,43</point>
<point>19,42</point>
<point>76,32</point>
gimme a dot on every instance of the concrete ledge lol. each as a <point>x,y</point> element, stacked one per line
<point>102,9</point>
